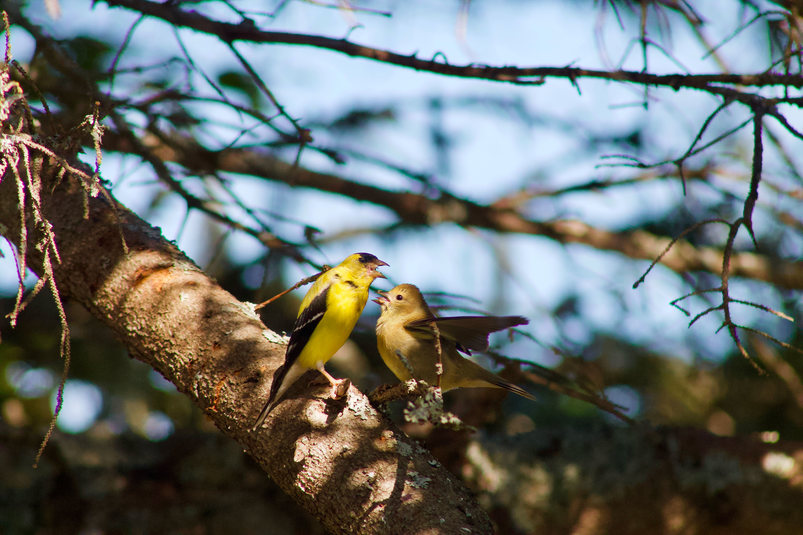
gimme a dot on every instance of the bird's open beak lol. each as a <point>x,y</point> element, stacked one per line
<point>382,299</point>
<point>379,274</point>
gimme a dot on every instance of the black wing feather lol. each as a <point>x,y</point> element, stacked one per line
<point>305,324</point>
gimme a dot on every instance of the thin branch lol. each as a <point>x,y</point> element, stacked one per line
<point>740,29</point>
<point>755,177</point>
<point>680,161</point>
<point>519,197</point>
<point>785,123</point>
<point>129,34</point>
<point>771,338</point>
<point>686,231</point>
<point>199,70</point>
<point>706,311</point>
<point>676,161</point>
<point>726,298</point>
<point>247,31</point>
<point>299,284</point>
<point>765,309</point>
<point>303,134</point>
<point>561,384</point>
<point>265,236</point>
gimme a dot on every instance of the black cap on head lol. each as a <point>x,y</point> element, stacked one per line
<point>367,257</point>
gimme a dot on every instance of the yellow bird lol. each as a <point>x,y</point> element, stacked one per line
<point>407,343</point>
<point>325,320</point>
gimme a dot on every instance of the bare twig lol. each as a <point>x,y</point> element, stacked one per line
<point>726,298</point>
<point>658,258</point>
<point>303,135</point>
<point>557,382</point>
<point>299,284</point>
<point>247,31</point>
<point>755,177</point>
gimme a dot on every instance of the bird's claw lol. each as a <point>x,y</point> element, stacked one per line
<point>340,388</point>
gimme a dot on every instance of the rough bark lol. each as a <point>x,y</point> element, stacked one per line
<point>343,462</point>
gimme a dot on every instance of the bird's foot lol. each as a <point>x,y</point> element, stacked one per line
<point>339,388</point>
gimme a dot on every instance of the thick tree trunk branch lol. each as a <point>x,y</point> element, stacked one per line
<point>343,462</point>
<point>418,209</point>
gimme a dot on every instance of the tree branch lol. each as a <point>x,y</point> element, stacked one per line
<point>418,209</point>
<point>248,31</point>
<point>343,462</point>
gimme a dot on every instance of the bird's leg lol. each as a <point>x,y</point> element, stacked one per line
<point>339,386</point>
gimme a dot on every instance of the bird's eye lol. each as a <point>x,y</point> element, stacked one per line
<point>399,297</point>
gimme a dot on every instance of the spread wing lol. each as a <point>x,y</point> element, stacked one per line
<point>470,333</point>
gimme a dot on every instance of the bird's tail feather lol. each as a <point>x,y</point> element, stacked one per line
<point>510,387</point>
<point>474,375</point>
<point>282,379</point>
